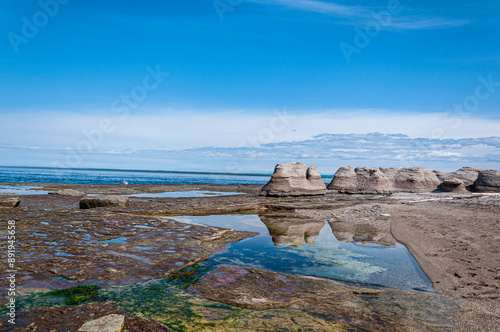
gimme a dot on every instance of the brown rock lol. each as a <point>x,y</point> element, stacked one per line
<point>294,179</point>
<point>10,202</point>
<point>487,181</point>
<point>103,201</point>
<point>71,318</point>
<point>453,186</point>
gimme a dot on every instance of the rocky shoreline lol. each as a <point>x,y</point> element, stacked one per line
<point>453,236</point>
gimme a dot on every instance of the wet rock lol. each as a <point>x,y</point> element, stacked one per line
<point>70,192</point>
<point>487,181</point>
<point>103,201</point>
<point>372,180</point>
<point>71,318</point>
<point>109,323</point>
<point>373,309</point>
<point>10,202</point>
<point>294,179</point>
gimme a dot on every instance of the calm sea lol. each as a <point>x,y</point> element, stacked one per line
<point>98,176</point>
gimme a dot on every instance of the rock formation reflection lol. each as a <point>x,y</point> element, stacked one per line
<point>347,232</point>
<point>292,231</point>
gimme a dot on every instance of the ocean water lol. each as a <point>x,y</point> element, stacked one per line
<point>94,176</point>
<point>100,176</point>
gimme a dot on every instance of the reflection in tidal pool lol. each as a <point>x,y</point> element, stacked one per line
<point>310,247</point>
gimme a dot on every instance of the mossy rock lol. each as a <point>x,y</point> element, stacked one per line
<point>77,295</point>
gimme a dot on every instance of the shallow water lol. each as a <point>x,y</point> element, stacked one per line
<point>21,190</point>
<point>312,249</point>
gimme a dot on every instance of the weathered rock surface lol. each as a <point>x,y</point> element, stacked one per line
<point>70,318</point>
<point>487,181</point>
<point>70,192</point>
<point>458,181</point>
<point>109,323</point>
<point>372,180</point>
<point>372,309</point>
<point>453,186</point>
<point>294,179</point>
<point>466,174</point>
<point>10,202</point>
<point>103,201</point>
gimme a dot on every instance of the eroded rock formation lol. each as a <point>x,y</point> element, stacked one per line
<point>487,181</point>
<point>294,179</point>
<point>380,180</point>
<point>374,180</point>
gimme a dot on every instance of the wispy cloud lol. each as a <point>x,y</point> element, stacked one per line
<point>315,6</point>
<point>359,15</point>
<point>422,23</point>
<point>329,151</point>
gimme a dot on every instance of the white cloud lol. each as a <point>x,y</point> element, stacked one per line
<point>401,19</point>
<point>182,130</point>
<point>314,6</point>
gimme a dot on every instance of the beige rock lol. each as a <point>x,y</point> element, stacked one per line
<point>466,174</point>
<point>294,179</point>
<point>371,180</point>
<point>10,202</point>
<point>109,323</point>
<point>103,201</point>
<point>70,192</point>
<point>415,179</point>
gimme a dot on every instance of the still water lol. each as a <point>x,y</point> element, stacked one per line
<point>310,247</point>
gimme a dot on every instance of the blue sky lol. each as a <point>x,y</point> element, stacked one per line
<point>85,83</point>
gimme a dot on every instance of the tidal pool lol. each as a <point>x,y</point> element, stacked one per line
<point>310,247</point>
<point>185,194</point>
<point>21,190</point>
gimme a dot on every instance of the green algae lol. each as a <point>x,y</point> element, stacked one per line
<point>77,295</point>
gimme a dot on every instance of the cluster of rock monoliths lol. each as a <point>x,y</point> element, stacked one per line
<point>296,179</point>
